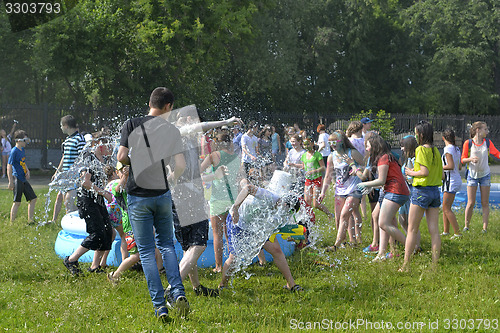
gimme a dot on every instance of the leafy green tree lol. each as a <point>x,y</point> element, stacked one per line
<point>16,76</point>
<point>326,56</point>
<point>460,43</point>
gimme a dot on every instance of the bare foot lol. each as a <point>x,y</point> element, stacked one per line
<point>217,270</point>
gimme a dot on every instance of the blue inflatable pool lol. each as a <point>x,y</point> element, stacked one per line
<point>461,197</point>
<point>73,234</point>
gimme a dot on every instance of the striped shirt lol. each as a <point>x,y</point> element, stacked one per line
<point>72,147</point>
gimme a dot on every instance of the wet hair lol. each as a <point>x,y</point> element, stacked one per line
<point>311,141</point>
<point>449,135</point>
<point>354,127</point>
<point>379,148</point>
<point>223,140</point>
<point>475,126</point>
<point>346,143</point>
<point>297,137</point>
<point>321,127</point>
<point>69,121</point>
<point>160,97</point>
<point>252,124</point>
<point>19,134</point>
<point>263,131</point>
<point>425,133</point>
<point>109,170</point>
<point>409,143</point>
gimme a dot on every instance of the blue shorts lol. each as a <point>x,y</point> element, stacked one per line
<point>400,199</point>
<point>426,196</point>
<point>483,181</point>
<point>234,232</point>
<point>405,209</point>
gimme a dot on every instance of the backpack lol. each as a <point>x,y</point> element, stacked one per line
<point>488,141</point>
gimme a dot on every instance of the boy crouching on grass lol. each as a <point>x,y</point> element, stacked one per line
<point>245,223</point>
<point>18,173</point>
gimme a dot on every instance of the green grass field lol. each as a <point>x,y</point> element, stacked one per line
<point>37,294</point>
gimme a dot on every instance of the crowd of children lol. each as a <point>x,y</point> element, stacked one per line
<point>358,163</point>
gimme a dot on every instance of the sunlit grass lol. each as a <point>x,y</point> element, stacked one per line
<point>37,294</point>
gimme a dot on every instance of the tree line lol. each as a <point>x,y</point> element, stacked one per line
<point>285,56</point>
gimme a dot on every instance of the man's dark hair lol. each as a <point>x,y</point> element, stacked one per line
<point>69,121</point>
<point>160,97</point>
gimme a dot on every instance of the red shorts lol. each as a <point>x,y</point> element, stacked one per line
<point>316,183</point>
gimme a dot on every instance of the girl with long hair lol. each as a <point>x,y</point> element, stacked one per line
<point>347,197</point>
<point>396,191</point>
<point>425,198</point>
<point>224,190</point>
<point>408,146</point>
<point>451,182</point>
<point>475,153</point>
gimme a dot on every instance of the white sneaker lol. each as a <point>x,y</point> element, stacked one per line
<point>182,306</point>
<point>445,234</point>
<point>379,258</point>
<point>455,236</point>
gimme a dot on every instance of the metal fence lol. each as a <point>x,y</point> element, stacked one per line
<point>42,122</point>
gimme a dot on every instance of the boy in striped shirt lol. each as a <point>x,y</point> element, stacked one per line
<point>71,147</point>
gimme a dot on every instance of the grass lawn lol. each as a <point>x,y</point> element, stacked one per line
<point>37,293</point>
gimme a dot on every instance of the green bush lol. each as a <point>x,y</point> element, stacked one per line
<point>383,123</point>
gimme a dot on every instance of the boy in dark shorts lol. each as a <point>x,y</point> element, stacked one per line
<point>18,173</point>
<point>90,202</point>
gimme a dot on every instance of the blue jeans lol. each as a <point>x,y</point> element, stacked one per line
<point>144,214</point>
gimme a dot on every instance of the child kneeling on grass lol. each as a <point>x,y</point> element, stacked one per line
<point>243,215</point>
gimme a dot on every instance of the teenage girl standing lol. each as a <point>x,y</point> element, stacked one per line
<point>475,152</point>
<point>451,182</point>
<point>396,191</point>
<point>347,197</point>
<point>427,174</point>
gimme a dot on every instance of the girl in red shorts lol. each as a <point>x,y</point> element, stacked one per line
<point>314,166</point>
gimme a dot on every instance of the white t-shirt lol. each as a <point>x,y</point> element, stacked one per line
<point>250,144</point>
<point>7,147</point>
<point>345,184</point>
<point>295,156</point>
<point>359,144</point>
<point>481,168</point>
<point>326,150</point>
<point>452,180</point>
<point>255,208</point>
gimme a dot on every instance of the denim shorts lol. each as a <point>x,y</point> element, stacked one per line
<point>356,194</point>
<point>400,199</point>
<point>426,196</point>
<point>405,209</point>
<point>483,181</point>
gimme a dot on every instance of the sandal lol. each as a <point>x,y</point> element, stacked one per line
<point>294,289</point>
<point>331,249</point>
